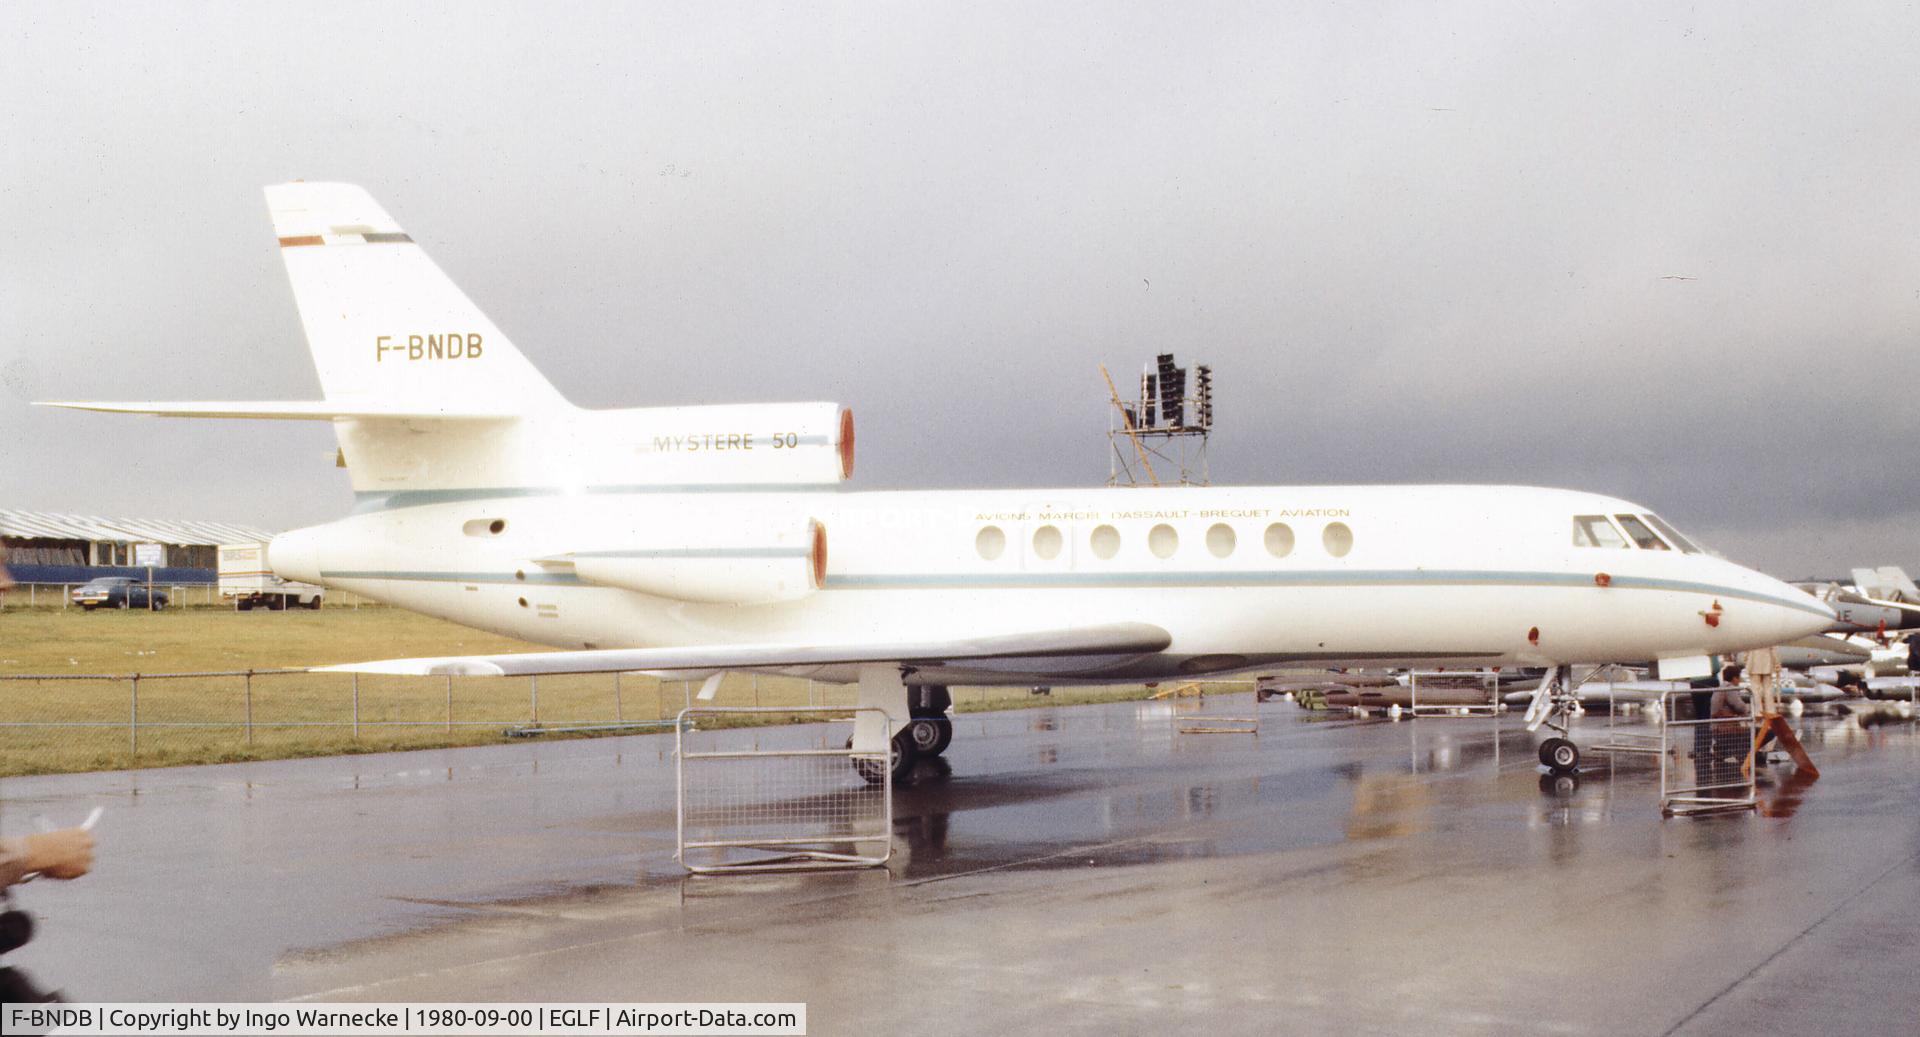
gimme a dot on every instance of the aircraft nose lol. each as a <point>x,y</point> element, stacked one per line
<point>1797,613</point>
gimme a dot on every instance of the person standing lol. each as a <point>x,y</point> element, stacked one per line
<point>1763,675</point>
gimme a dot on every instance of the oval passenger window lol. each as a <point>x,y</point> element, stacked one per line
<point>1047,541</point>
<point>991,543</point>
<point>1338,538</point>
<point>1220,540</point>
<point>1279,540</point>
<point>1163,541</point>
<point>1106,542</point>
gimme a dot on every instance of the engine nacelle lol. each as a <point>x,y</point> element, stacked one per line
<point>717,562</point>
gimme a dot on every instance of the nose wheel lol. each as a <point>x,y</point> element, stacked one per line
<point>1560,755</point>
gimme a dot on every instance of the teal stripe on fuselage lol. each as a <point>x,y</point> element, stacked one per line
<point>1299,578</point>
<point>1070,580</point>
<point>389,500</point>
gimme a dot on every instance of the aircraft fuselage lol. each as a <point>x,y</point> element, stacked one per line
<point>1241,577</point>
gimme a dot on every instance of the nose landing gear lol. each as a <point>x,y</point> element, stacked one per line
<point>1554,704</point>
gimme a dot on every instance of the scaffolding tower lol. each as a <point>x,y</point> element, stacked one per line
<point>1168,423</point>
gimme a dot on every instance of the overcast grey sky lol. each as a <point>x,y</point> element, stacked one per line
<point>1418,242</point>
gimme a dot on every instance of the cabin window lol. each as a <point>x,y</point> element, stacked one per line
<point>1673,535</point>
<point>1047,542</point>
<point>1338,539</point>
<point>1279,540</point>
<point>1596,531</point>
<point>484,527</point>
<point>1638,532</point>
<point>1220,539</point>
<point>1163,541</point>
<point>1105,542</point>
<point>991,543</point>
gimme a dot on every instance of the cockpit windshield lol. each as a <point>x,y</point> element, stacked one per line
<point>1596,531</point>
<point>1645,538</point>
<point>1673,535</point>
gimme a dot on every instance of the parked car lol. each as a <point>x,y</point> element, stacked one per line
<point>116,592</point>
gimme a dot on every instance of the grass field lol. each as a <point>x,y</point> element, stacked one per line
<point>70,722</point>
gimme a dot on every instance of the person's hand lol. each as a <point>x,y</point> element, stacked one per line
<point>65,854</point>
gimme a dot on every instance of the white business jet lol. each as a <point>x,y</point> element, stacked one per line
<point>700,540</point>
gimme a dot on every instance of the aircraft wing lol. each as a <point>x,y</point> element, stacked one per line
<point>1115,639</point>
<point>290,410</point>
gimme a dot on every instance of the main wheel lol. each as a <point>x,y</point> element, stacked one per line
<point>244,605</point>
<point>931,735</point>
<point>1560,755</point>
<point>277,603</point>
<point>901,757</point>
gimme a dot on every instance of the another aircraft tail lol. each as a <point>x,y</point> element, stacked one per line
<point>383,322</point>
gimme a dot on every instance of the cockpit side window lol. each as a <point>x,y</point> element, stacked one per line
<point>1596,531</point>
<point>1641,535</point>
<point>1673,535</point>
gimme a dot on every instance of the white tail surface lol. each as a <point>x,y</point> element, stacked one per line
<point>431,402</point>
<point>384,323</point>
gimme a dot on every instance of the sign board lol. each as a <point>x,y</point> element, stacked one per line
<point>154,555</point>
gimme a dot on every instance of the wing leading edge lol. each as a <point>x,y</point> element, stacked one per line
<point>1117,639</point>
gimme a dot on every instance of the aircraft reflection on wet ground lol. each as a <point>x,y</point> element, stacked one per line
<point>1094,832</point>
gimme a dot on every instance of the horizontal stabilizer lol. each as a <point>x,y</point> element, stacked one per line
<point>1110,640</point>
<point>296,410</point>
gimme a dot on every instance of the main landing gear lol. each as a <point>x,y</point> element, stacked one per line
<point>927,734</point>
<point>930,730</point>
<point>1554,704</point>
<point>916,716</point>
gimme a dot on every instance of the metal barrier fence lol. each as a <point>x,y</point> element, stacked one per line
<point>741,806</point>
<point>1706,764</point>
<point>1620,737</point>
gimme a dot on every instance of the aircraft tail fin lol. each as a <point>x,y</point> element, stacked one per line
<point>428,398</point>
<point>384,323</point>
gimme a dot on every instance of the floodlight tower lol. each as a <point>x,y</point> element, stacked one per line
<point>1167,424</point>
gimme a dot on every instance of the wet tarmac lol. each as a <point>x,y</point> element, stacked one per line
<point>1084,869</point>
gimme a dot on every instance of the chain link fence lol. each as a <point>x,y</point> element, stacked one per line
<point>51,723</point>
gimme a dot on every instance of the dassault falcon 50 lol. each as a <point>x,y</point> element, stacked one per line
<point>706,539</point>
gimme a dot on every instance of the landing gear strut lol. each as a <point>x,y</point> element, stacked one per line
<point>1554,704</point>
<point>885,709</point>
